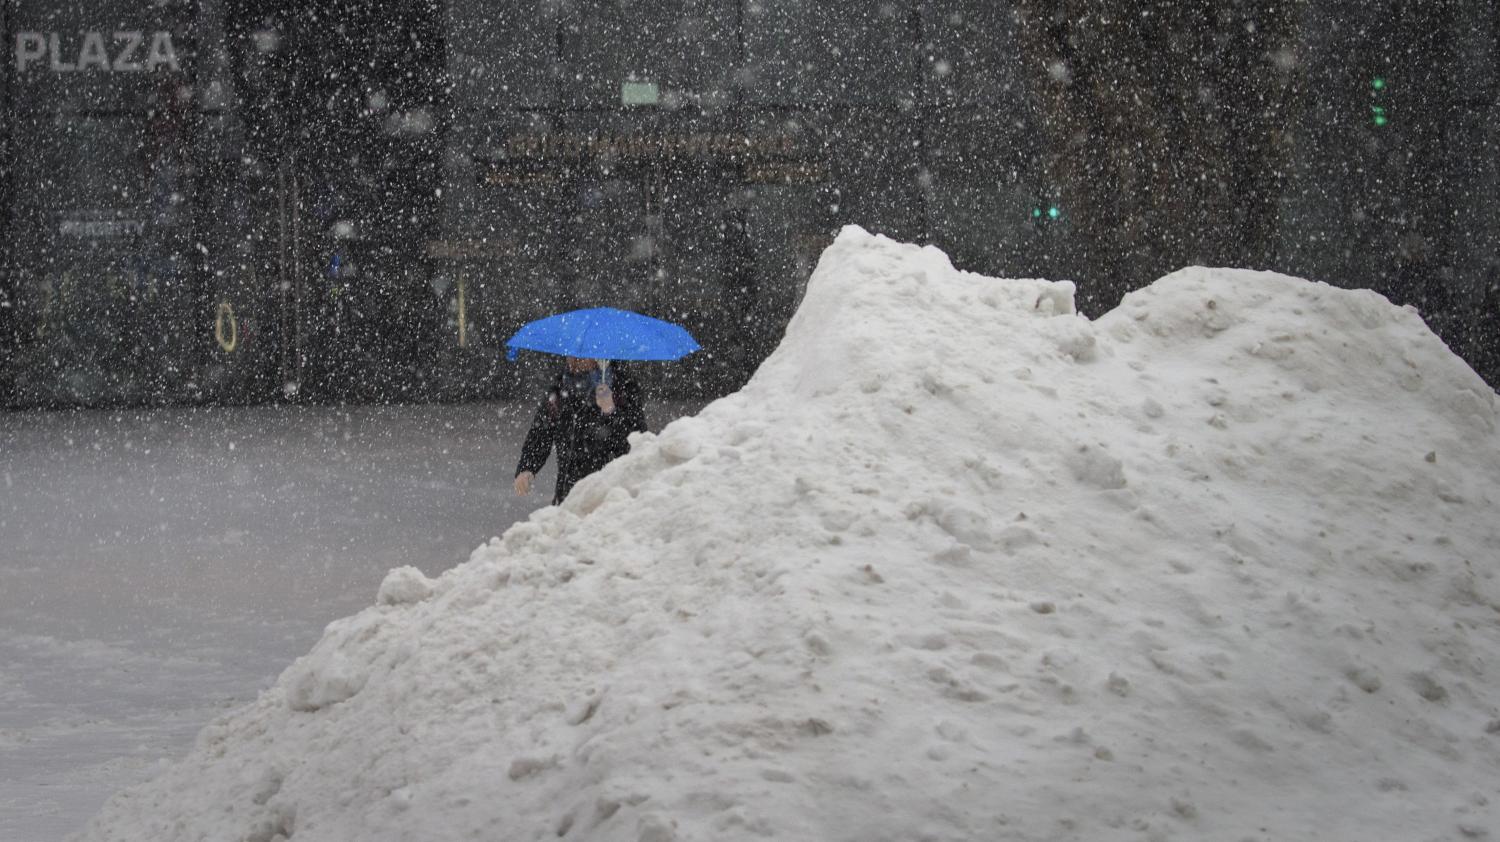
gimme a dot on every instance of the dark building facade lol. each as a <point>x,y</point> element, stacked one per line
<point>236,201</point>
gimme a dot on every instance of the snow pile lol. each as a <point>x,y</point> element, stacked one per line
<point>957,564</point>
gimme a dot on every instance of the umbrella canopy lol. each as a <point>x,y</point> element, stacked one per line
<point>604,333</point>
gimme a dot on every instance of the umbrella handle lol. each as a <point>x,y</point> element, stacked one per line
<point>604,372</point>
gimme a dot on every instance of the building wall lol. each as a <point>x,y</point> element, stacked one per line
<point>1394,186</point>
<point>712,135</point>
<point>362,200</point>
<point>99,195</point>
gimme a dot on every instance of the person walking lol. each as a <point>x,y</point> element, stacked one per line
<point>587,416</point>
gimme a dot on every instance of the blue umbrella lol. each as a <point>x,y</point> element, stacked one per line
<point>604,333</point>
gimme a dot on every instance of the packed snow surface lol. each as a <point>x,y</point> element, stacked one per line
<point>956,564</point>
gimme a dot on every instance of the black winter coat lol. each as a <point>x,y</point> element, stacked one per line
<point>586,439</point>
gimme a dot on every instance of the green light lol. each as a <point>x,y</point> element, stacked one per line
<point>1036,213</point>
<point>1053,212</point>
<point>1377,92</point>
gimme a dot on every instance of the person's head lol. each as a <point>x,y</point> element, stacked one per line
<point>581,365</point>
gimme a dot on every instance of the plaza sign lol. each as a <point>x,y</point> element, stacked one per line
<point>113,52</point>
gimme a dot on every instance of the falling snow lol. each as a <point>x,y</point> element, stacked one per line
<point>957,563</point>
<point>1135,551</point>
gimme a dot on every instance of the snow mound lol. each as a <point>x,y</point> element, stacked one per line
<point>956,564</point>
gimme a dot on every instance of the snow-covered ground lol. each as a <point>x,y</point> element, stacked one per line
<point>158,568</point>
<point>956,564</point>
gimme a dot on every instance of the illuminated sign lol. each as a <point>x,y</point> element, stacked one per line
<point>538,159</point>
<point>701,145</point>
<point>639,93</point>
<point>99,225</point>
<point>107,52</point>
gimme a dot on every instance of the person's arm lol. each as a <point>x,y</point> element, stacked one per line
<point>538,444</point>
<point>629,415</point>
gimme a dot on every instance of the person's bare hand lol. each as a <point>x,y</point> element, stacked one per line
<point>605,397</point>
<point>523,483</point>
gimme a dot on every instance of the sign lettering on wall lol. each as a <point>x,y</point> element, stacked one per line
<point>132,51</point>
<point>703,145</point>
<point>102,224</point>
<point>101,228</point>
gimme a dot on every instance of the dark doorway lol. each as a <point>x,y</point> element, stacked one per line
<point>664,236</point>
<point>342,104</point>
